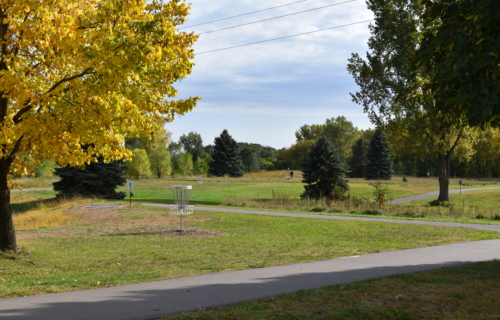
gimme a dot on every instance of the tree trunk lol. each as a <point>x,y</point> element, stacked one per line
<point>7,233</point>
<point>444,176</point>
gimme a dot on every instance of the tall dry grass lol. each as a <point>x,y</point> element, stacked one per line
<point>368,206</point>
<point>37,219</point>
<point>46,213</point>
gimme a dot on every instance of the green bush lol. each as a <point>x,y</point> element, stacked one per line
<point>372,212</point>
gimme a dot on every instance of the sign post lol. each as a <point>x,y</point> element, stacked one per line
<point>460,183</point>
<point>130,185</point>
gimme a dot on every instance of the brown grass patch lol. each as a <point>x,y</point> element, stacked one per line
<point>123,221</point>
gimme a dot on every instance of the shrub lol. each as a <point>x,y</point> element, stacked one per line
<point>437,203</point>
<point>372,212</point>
<point>318,209</point>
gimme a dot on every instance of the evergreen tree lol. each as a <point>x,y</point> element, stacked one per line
<point>357,161</point>
<point>98,179</point>
<point>323,171</point>
<point>379,158</point>
<point>226,157</point>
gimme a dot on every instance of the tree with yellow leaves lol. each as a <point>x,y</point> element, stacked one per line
<point>79,73</point>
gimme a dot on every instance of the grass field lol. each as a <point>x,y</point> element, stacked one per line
<point>65,247</point>
<point>270,190</point>
<point>468,292</point>
<point>98,248</point>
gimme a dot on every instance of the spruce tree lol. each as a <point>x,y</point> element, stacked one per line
<point>357,162</point>
<point>323,171</point>
<point>98,179</point>
<point>226,157</point>
<point>379,158</point>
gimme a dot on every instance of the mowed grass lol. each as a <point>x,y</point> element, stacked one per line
<point>215,191</point>
<point>99,248</point>
<point>270,190</point>
<point>467,292</point>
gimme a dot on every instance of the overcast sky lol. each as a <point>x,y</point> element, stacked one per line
<point>263,93</point>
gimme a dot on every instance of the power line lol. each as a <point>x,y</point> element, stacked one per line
<point>286,15</point>
<point>295,35</point>
<point>244,14</point>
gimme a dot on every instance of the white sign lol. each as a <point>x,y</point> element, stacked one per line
<point>130,185</point>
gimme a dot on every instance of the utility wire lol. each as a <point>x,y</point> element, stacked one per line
<point>241,15</point>
<point>295,35</point>
<point>286,15</point>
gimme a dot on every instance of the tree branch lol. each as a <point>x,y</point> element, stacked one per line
<point>14,151</point>
<point>84,73</point>
<point>456,143</point>
<point>17,117</point>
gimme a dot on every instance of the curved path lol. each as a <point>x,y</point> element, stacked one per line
<point>435,194</point>
<point>155,299</point>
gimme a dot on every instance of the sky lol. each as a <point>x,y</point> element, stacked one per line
<point>263,93</point>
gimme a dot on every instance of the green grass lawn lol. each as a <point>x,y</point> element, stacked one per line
<point>115,247</point>
<point>284,195</point>
<point>468,292</point>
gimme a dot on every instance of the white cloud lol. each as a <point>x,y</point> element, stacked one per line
<point>302,78</point>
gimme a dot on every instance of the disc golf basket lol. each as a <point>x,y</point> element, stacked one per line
<point>181,198</point>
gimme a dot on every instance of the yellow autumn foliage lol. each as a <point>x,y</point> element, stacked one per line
<point>88,72</point>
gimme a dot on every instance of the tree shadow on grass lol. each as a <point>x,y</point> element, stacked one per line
<point>23,207</point>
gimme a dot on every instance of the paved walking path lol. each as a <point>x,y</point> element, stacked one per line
<point>435,194</point>
<point>155,299</point>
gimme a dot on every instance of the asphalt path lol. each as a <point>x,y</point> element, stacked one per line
<point>155,299</point>
<point>435,194</point>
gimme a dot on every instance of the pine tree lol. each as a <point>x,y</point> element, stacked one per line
<point>323,171</point>
<point>98,179</point>
<point>379,158</point>
<point>226,157</point>
<point>357,161</point>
